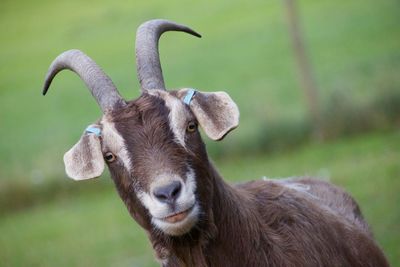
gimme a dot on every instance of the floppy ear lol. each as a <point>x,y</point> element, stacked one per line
<point>216,112</point>
<point>85,159</point>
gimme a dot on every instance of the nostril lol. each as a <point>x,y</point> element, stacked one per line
<point>168,193</point>
<point>161,197</point>
<point>176,190</point>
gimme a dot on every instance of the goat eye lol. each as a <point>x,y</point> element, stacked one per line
<point>109,157</point>
<point>191,127</point>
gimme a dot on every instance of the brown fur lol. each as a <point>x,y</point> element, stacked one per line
<point>258,223</point>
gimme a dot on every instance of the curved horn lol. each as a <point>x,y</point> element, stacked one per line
<point>99,84</point>
<point>147,57</point>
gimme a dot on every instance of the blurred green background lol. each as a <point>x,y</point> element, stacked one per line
<point>354,49</point>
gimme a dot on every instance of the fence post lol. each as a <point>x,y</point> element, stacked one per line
<point>306,75</point>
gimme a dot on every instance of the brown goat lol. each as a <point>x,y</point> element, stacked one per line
<point>161,170</point>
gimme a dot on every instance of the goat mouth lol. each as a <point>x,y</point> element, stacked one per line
<point>177,217</point>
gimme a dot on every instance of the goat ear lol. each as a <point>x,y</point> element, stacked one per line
<point>85,159</point>
<point>216,113</point>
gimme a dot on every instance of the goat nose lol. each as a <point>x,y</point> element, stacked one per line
<point>169,193</point>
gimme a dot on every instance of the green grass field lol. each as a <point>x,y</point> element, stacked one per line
<point>245,50</point>
<point>354,48</point>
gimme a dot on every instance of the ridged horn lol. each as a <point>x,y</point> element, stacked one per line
<point>147,58</point>
<point>99,84</point>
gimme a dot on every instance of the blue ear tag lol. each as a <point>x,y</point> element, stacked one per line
<point>189,95</point>
<point>92,129</point>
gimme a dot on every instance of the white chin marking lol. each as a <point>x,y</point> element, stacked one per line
<point>161,213</point>
<point>181,227</point>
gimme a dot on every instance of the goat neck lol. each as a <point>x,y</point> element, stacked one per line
<point>228,225</point>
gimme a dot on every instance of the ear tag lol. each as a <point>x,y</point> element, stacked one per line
<point>188,97</point>
<point>92,129</point>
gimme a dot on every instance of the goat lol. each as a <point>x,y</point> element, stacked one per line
<point>161,170</point>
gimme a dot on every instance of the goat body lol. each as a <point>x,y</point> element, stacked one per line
<point>297,222</point>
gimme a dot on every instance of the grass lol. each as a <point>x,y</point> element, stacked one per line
<point>96,230</point>
<point>86,230</point>
<point>245,49</point>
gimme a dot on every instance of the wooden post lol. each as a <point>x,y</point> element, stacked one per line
<point>307,79</point>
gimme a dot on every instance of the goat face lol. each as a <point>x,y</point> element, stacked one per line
<point>155,154</point>
<point>151,145</point>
